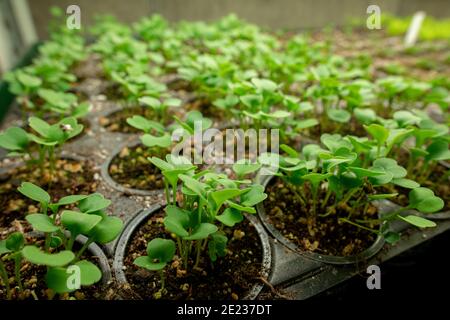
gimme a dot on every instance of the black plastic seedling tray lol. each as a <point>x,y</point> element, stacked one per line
<point>302,278</point>
<point>293,274</point>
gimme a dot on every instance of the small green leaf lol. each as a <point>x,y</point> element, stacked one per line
<point>217,246</point>
<point>90,273</point>
<point>161,249</point>
<point>251,101</point>
<point>55,241</point>
<point>150,140</point>
<point>197,187</point>
<point>311,151</point>
<point>141,123</point>
<point>34,192</point>
<point>147,263</point>
<point>40,126</point>
<point>160,252</point>
<point>305,106</point>
<point>196,116</point>
<point>278,114</point>
<point>365,115</point>
<point>289,151</point>
<point>339,115</point>
<point>70,199</point>
<point>361,172</point>
<point>150,102</point>
<point>3,248</point>
<point>15,241</point>
<point>230,217</point>
<point>161,164</point>
<point>391,237</point>
<point>202,232</point>
<point>220,196</point>
<point>106,230</point>
<point>390,165</point>
<point>172,102</point>
<point>405,183</point>
<point>58,278</point>
<point>240,207</point>
<point>254,196</point>
<point>424,200</point>
<point>29,80</point>
<point>306,123</point>
<point>315,178</point>
<point>77,222</point>
<point>378,132</point>
<point>14,139</point>
<point>36,256</point>
<point>244,166</point>
<point>438,150</point>
<point>334,142</point>
<point>430,205</point>
<point>418,221</point>
<point>94,202</point>
<point>405,118</point>
<point>42,222</point>
<point>177,220</point>
<point>264,84</point>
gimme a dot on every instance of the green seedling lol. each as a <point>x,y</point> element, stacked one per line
<point>344,172</point>
<point>62,103</point>
<point>160,106</point>
<point>245,167</point>
<point>61,228</point>
<point>192,119</point>
<point>207,199</point>
<point>24,86</point>
<point>430,143</point>
<point>171,169</point>
<point>10,249</point>
<point>157,143</point>
<point>159,253</point>
<point>421,199</point>
<point>47,138</point>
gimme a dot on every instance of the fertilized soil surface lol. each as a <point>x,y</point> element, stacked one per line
<point>323,235</point>
<point>131,169</point>
<point>229,278</point>
<point>71,177</point>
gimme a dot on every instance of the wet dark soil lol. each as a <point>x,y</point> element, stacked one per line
<point>132,169</point>
<point>229,278</point>
<point>311,232</point>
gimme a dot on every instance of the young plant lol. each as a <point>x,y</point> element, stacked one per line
<point>62,103</point>
<point>10,249</point>
<point>347,178</point>
<point>135,83</point>
<point>207,199</point>
<point>61,228</point>
<point>158,144</point>
<point>159,253</point>
<point>257,99</point>
<point>428,145</point>
<point>45,136</point>
<point>24,86</point>
<point>160,106</point>
<point>245,167</point>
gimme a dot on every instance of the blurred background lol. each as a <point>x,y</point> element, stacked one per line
<point>23,22</point>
